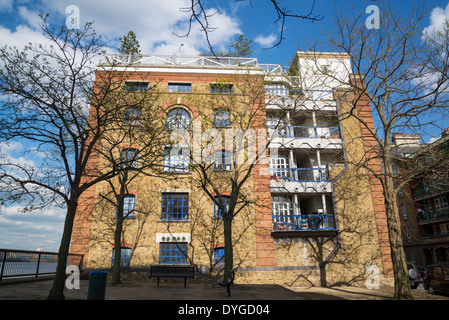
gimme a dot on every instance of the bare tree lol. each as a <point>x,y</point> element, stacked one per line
<point>54,105</point>
<point>199,14</point>
<point>403,75</point>
<point>132,148</point>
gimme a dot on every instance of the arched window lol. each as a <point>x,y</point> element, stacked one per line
<point>177,118</point>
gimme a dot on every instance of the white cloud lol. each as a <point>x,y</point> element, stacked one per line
<point>31,230</point>
<point>433,139</point>
<point>438,16</point>
<point>267,41</point>
<point>8,151</point>
<point>155,23</point>
<point>30,16</point>
<point>20,37</point>
<point>5,5</point>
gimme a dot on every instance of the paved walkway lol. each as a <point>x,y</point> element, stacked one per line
<point>147,290</point>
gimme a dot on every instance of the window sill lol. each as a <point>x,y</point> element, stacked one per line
<point>176,221</point>
<point>181,173</point>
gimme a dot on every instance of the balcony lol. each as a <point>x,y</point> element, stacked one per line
<point>278,97</point>
<point>424,190</point>
<point>305,137</point>
<point>304,132</point>
<point>303,225</point>
<point>300,174</point>
<point>181,60</point>
<point>426,217</point>
<point>299,180</point>
<point>435,235</point>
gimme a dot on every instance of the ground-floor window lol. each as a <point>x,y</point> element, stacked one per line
<point>173,252</point>
<point>125,256</point>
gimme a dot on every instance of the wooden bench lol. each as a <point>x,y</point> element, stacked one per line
<point>173,272</point>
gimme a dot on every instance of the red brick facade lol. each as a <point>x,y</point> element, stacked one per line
<point>375,166</point>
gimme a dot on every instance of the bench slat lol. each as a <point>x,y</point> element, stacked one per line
<point>172,271</point>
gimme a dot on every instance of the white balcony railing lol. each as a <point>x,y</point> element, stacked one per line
<point>299,95</point>
<point>300,174</point>
<point>303,132</point>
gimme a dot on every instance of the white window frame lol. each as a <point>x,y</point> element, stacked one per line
<point>404,211</point>
<point>429,206</point>
<point>409,235</point>
<point>178,119</point>
<point>438,204</point>
<point>444,228</point>
<point>175,160</point>
<point>131,157</point>
<point>445,204</point>
<point>222,160</point>
<point>280,161</point>
<point>412,256</point>
<point>277,89</point>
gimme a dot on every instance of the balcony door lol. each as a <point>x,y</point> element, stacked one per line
<point>282,210</point>
<point>279,167</point>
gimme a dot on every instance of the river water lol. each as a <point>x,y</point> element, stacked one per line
<point>24,268</point>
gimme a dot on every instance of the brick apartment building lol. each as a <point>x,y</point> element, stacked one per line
<point>423,203</point>
<point>315,215</point>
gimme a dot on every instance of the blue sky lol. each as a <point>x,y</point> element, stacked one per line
<point>155,22</point>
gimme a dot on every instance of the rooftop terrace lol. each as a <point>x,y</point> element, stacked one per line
<point>193,61</point>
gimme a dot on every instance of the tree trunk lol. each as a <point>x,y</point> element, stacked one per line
<point>117,247</point>
<point>115,278</point>
<point>228,265</point>
<point>402,289</point>
<point>57,289</point>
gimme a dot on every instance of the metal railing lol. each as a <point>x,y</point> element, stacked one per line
<point>300,174</point>
<point>426,217</point>
<point>303,222</point>
<point>274,69</point>
<point>424,190</point>
<point>25,263</point>
<point>181,60</point>
<point>434,235</point>
<point>300,95</point>
<point>303,132</point>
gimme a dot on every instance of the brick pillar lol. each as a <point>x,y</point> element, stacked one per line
<point>262,194</point>
<point>263,215</point>
<point>374,165</point>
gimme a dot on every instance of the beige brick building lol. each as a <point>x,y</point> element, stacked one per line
<point>312,216</point>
